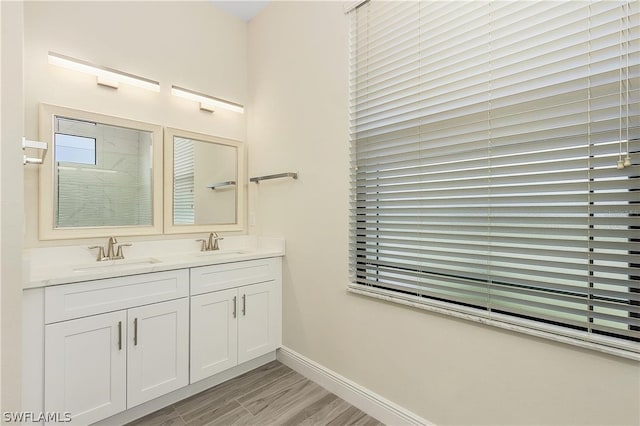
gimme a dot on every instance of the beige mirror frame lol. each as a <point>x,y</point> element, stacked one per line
<point>170,227</point>
<point>47,229</point>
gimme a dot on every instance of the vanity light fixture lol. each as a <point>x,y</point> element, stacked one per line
<point>105,76</point>
<point>207,103</point>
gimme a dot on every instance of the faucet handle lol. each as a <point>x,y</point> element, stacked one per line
<point>119,252</point>
<point>101,255</point>
<point>203,246</point>
<point>215,243</point>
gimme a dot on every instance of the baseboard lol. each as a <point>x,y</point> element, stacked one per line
<point>371,403</point>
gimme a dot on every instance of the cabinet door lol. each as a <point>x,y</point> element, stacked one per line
<point>85,367</point>
<point>214,333</point>
<point>157,350</point>
<point>257,324</point>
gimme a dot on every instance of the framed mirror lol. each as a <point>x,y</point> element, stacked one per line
<point>204,183</point>
<point>102,175</point>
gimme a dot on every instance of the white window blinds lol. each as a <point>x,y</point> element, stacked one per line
<point>485,141</point>
<point>183,182</point>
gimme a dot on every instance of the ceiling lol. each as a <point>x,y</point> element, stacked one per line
<point>243,9</point>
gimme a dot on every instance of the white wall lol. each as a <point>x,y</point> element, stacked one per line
<point>11,223</point>
<point>188,44</point>
<point>446,370</point>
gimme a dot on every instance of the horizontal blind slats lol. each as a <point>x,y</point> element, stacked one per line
<point>485,137</point>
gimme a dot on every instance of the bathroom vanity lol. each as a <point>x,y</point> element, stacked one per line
<point>111,333</point>
<point>128,337</point>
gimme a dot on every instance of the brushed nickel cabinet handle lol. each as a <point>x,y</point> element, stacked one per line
<point>234,306</point>
<point>244,304</point>
<point>135,332</point>
<point>119,335</point>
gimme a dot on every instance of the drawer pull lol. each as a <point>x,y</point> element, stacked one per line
<point>234,306</point>
<point>119,335</point>
<point>135,332</point>
<point>244,304</point>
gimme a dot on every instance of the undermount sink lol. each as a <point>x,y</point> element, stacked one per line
<point>221,252</point>
<point>110,265</point>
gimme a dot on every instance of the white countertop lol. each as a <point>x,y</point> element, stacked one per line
<point>62,265</point>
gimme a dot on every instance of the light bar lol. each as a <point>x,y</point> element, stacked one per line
<point>105,76</point>
<point>207,103</point>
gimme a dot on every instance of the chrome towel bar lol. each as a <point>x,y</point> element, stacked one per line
<point>221,184</point>
<point>278,175</point>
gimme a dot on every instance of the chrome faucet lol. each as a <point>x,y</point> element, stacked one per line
<point>111,254</point>
<point>210,244</point>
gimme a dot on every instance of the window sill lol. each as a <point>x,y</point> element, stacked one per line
<point>556,334</point>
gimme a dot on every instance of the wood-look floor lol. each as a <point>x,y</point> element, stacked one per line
<point>269,395</point>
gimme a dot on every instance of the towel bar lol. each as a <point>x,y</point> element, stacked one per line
<point>279,175</point>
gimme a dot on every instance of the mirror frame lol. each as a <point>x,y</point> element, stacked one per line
<point>46,225</point>
<point>169,227</point>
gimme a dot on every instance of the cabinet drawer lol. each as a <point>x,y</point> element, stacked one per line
<point>228,275</point>
<point>77,300</point>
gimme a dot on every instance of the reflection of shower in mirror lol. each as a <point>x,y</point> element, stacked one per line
<point>101,176</point>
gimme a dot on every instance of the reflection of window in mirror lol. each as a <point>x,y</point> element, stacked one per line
<point>183,182</point>
<point>204,182</point>
<point>75,149</point>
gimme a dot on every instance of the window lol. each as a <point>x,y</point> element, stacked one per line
<point>485,145</point>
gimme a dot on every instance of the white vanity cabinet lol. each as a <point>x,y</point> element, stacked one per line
<point>157,350</point>
<point>110,350</point>
<point>258,320</point>
<point>214,333</point>
<point>235,314</point>
<point>86,367</point>
<point>101,364</point>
